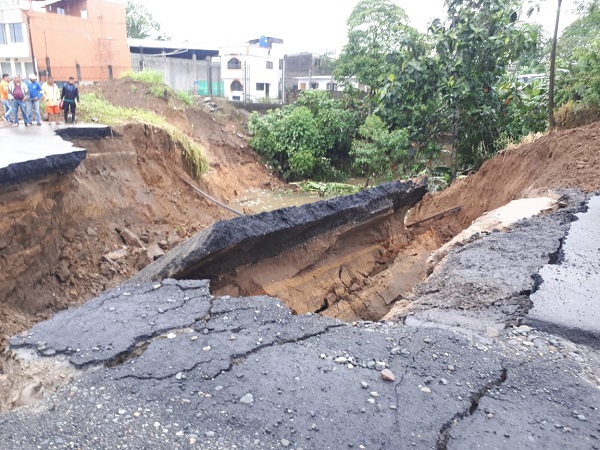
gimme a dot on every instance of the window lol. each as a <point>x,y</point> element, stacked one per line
<point>314,86</point>
<point>236,98</point>
<point>16,32</point>
<point>317,62</point>
<point>233,64</point>
<point>3,34</point>
<point>269,64</point>
<point>237,86</point>
<point>332,86</point>
<point>260,86</point>
<point>60,11</point>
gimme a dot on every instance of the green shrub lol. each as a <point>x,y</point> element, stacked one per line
<point>381,150</point>
<point>300,140</point>
<point>185,97</point>
<point>145,76</point>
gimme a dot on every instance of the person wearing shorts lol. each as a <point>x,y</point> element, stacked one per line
<point>51,93</point>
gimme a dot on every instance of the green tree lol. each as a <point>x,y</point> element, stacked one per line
<point>139,21</point>
<point>380,150</point>
<point>579,50</point>
<point>378,31</point>
<point>474,49</point>
<point>551,120</point>
<point>580,35</point>
<point>301,140</point>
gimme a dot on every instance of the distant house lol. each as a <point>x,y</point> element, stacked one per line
<point>86,39</point>
<point>326,83</point>
<point>306,64</point>
<point>311,71</point>
<point>185,66</point>
<point>252,72</point>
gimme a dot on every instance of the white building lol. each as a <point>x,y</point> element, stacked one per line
<point>252,73</point>
<point>15,54</point>
<point>326,83</point>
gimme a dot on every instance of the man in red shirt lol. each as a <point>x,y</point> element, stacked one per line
<point>19,94</point>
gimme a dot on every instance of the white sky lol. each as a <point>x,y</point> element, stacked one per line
<point>304,25</point>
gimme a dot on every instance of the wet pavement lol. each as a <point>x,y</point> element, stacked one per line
<point>36,151</point>
<point>568,300</point>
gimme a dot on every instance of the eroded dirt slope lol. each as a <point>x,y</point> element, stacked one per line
<point>563,159</point>
<point>65,239</point>
<point>354,291</point>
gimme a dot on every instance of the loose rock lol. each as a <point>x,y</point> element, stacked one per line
<point>387,375</point>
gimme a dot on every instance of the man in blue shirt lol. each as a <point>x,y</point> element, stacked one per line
<point>35,95</point>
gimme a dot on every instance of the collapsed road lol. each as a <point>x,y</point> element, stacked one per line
<point>317,258</point>
<point>165,364</point>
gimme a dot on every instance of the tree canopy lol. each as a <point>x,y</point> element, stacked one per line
<point>456,85</point>
<point>140,22</point>
<point>378,34</point>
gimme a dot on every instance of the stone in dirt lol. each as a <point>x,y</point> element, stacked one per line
<point>130,238</point>
<point>115,255</point>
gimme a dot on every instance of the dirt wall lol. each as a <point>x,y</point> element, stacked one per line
<point>65,239</point>
<point>565,159</point>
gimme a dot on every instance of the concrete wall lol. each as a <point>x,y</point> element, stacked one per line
<point>180,74</point>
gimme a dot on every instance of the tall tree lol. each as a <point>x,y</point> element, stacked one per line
<point>139,21</point>
<point>377,30</point>
<point>475,47</point>
<point>578,51</point>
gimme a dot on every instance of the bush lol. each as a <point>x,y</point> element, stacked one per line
<point>145,76</point>
<point>381,150</point>
<point>300,140</point>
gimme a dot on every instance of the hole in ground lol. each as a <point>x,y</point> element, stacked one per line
<point>356,272</point>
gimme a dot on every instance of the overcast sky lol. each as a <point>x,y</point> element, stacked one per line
<point>304,25</point>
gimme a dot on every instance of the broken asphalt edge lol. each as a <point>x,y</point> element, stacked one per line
<point>249,239</point>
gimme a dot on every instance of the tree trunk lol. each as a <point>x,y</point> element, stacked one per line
<point>551,121</point>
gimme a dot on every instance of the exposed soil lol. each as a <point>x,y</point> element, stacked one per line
<point>564,159</point>
<point>65,239</point>
<point>364,271</point>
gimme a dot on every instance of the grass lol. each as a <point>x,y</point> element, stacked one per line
<point>94,105</point>
<point>145,76</point>
<point>157,86</point>
<point>185,97</point>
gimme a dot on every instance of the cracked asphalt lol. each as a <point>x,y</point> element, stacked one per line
<point>169,366</point>
<point>196,371</point>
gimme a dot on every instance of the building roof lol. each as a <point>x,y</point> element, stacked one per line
<point>183,50</point>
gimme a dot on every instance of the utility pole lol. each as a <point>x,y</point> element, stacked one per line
<point>31,42</point>
<point>209,75</point>
<point>283,79</point>
<point>551,119</point>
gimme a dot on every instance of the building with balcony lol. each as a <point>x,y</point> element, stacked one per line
<point>86,39</point>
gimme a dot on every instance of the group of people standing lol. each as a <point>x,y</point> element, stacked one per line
<point>27,95</point>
